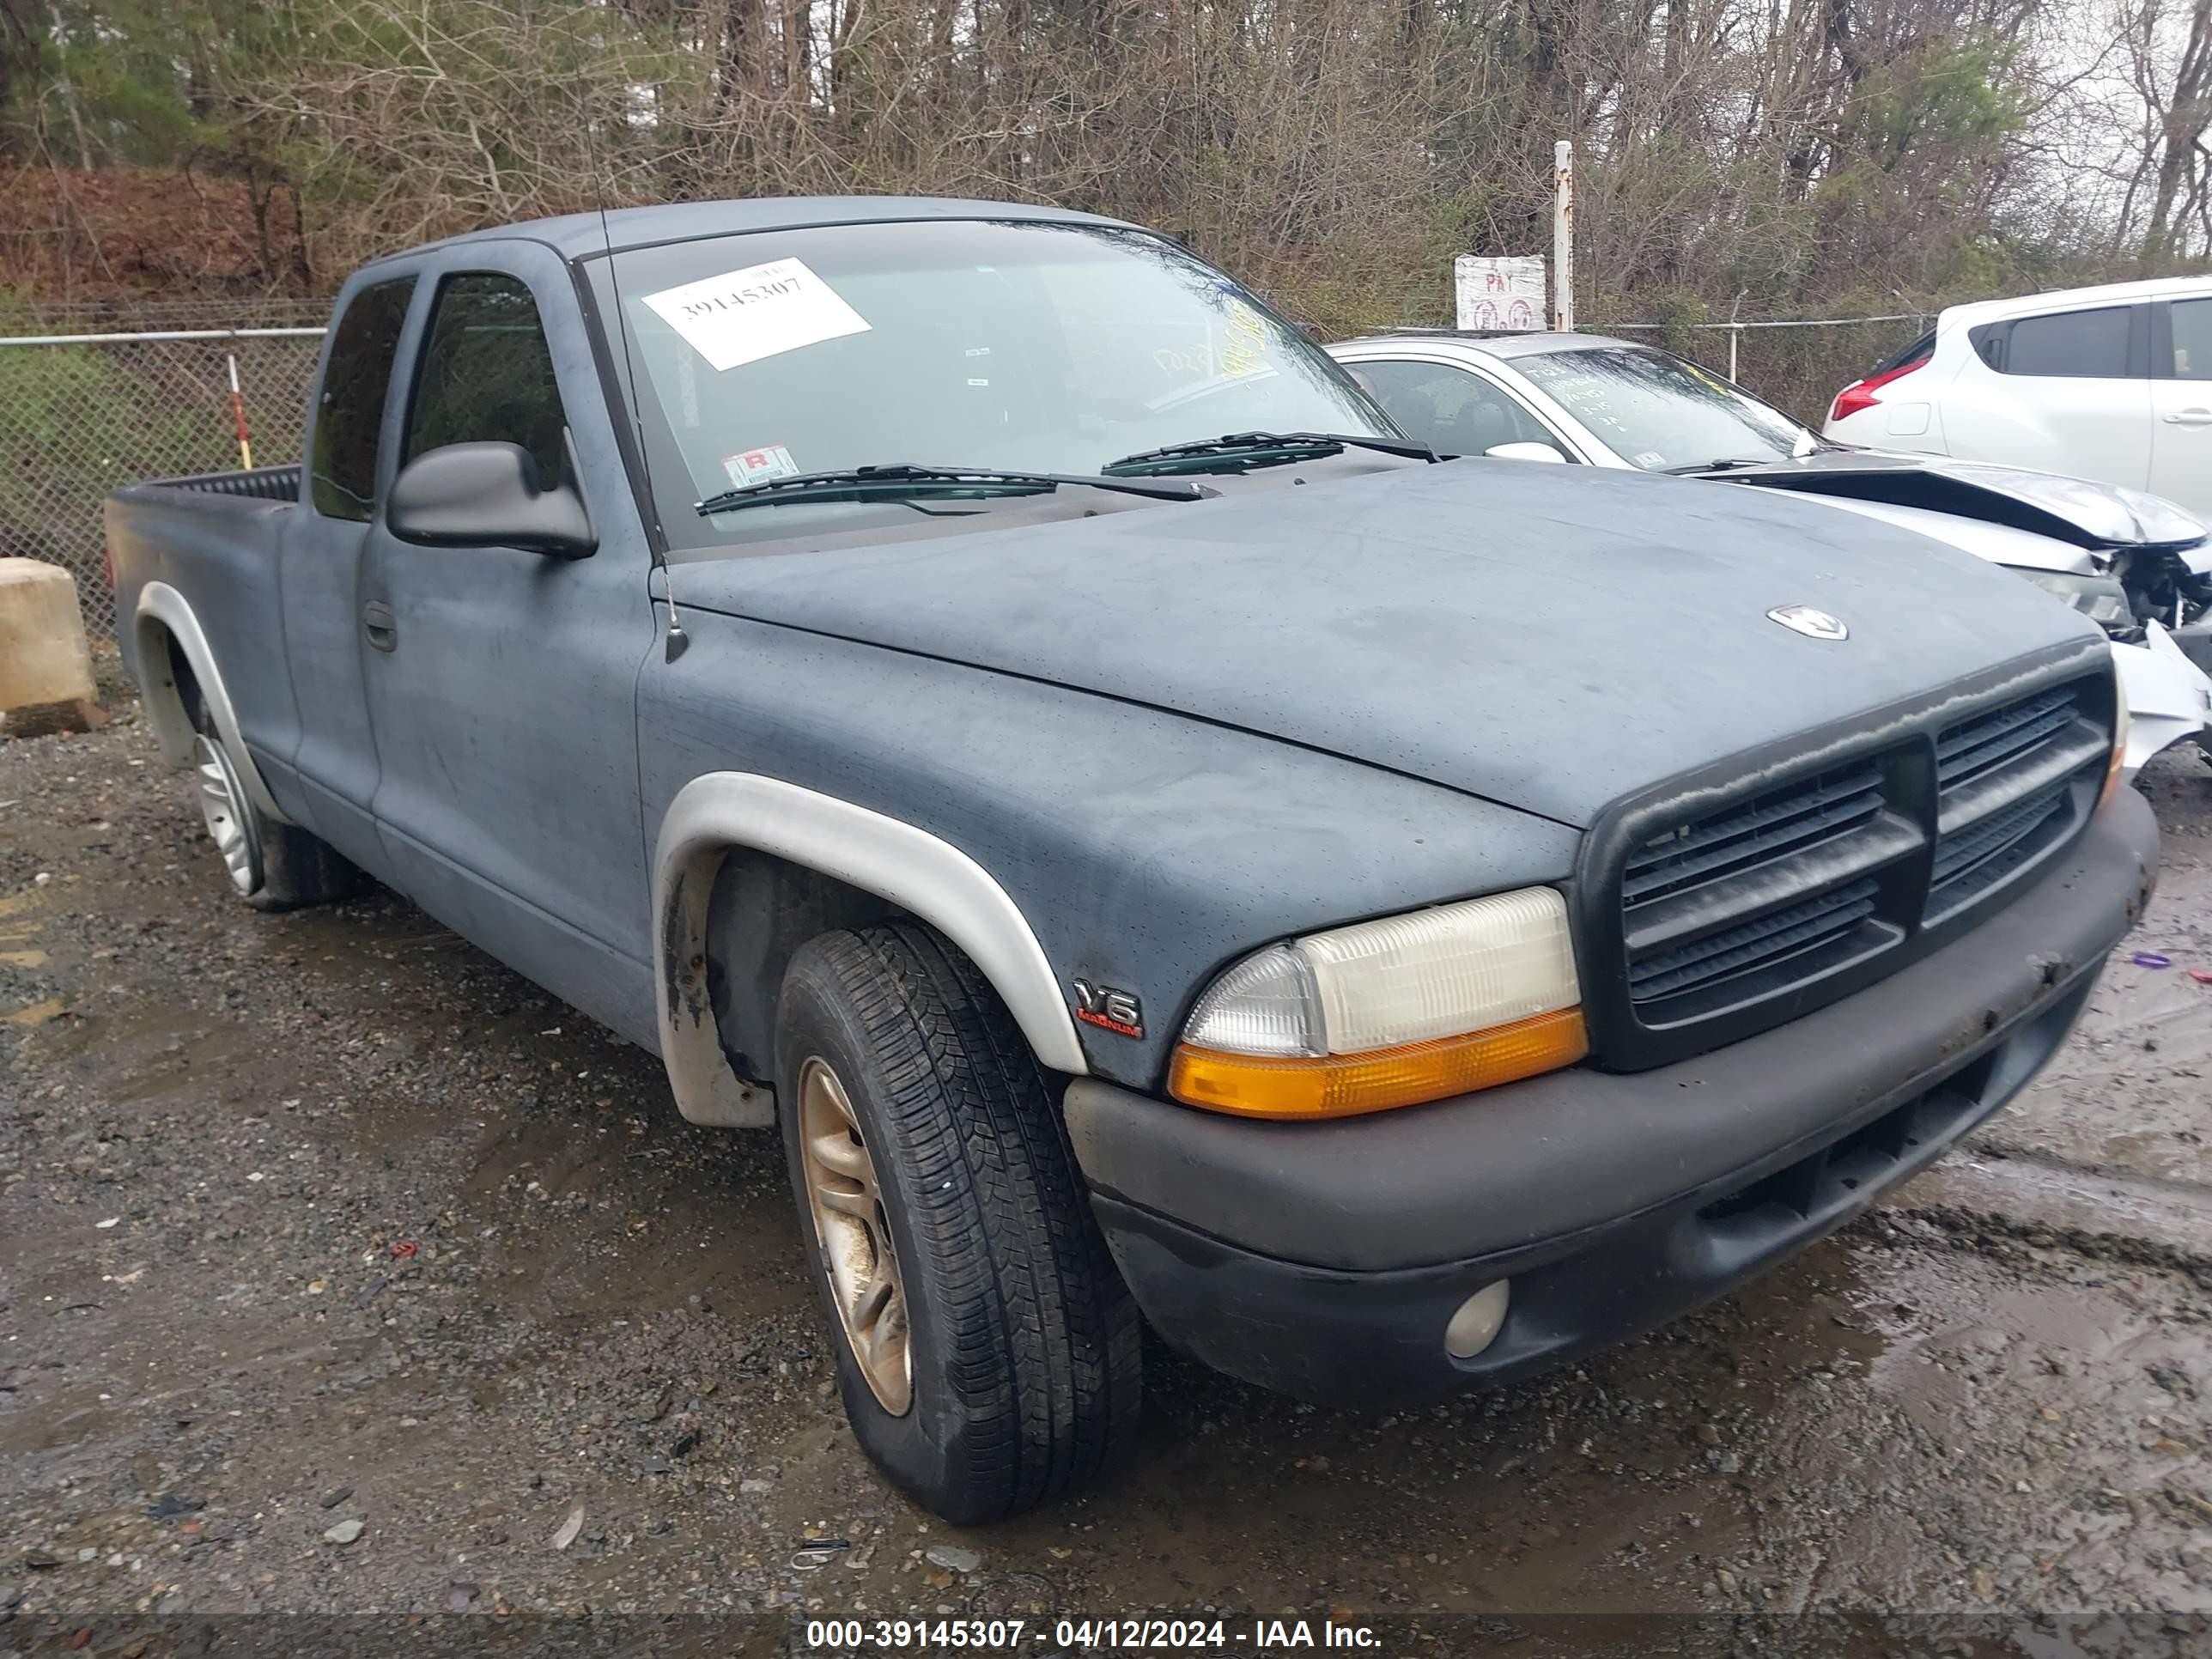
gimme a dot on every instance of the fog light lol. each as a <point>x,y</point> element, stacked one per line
<point>1478,1321</point>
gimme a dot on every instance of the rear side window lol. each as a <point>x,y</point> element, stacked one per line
<point>487,374</point>
<point>2066,345</point>
<point>2190,324</point>
<point>351,416</point>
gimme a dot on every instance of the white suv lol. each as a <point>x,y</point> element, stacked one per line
<point>2107,383</point>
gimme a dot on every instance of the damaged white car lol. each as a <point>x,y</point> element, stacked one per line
<point>2137,565</point>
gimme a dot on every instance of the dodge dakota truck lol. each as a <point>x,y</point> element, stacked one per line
<point>971,687</point>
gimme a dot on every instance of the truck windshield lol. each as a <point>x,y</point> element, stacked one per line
<point>1030,347</point>
<point>1655,412</point>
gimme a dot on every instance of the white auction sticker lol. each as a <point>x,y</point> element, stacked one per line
<point>742,316</point>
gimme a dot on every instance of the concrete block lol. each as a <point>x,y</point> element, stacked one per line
<point>44,658</point>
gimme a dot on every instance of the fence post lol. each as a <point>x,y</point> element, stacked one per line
<point>1563,236</point>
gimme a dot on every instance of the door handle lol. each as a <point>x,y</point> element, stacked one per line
<point>2188,418</point>
<point>382,633</point>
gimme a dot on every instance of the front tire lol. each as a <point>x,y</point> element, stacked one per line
<point>988,1352</point>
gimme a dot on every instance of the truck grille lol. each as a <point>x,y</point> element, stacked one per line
<point>1754,945</point>
<point>1768,829</point>
<point>1751,903</point>
<point>1744,900</point>
<point>2006,784</point>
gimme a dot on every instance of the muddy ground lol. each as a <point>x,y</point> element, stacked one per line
<point>326,1218</point>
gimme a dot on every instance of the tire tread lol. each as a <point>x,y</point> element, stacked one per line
<point>1042,1341</point>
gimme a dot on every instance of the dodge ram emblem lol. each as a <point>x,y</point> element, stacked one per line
<point>1813,624</point>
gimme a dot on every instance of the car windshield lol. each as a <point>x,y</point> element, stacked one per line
<point>1655,412</point>
<point>1025,346</point>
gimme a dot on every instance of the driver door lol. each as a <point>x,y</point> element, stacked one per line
<point>502,683</point>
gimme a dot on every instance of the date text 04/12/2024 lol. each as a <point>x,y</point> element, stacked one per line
<point>1259,1636</point>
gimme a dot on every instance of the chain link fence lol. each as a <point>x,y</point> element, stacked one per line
<point>1798,367</point>
<point>81,414</point>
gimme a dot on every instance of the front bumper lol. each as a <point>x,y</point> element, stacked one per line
<point>1324,1259</point>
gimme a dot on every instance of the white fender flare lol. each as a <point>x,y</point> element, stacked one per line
<point>723,812</point>
<point>159,607</point>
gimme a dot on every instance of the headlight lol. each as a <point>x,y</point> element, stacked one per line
<point>2100,599</point>
<point>1389,1013</point>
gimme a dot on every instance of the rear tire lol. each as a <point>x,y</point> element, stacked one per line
<point>946,1166</point>
<point>271,866</point>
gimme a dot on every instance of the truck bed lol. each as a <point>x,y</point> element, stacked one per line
<point>209,546</point>
<point>263,484</point>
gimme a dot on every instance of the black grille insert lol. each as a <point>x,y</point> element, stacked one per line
<point>1762,944</point>
<point>2009,784</point>
<point>1735,910</point>
<point>1967,750</point>
<point>1760,892</point>
<point>1724,907</point>
<point>1767,828</point>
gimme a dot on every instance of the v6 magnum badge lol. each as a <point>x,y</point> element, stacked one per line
<point>1110,1010</point>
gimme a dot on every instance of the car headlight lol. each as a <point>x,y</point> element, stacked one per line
<point>1387,1014</point>
<point>2100,599</point>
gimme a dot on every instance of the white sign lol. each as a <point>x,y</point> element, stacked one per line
<point>1506,293</point>
<point>742,316</point>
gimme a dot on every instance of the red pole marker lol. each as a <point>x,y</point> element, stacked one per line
<point>238,412</point>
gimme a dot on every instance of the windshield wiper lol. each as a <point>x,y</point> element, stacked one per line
<point>1726,463</point>
<point>1239,450</point>
<point>902,480</point>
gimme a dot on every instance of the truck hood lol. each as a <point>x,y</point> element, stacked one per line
<point>2081,511</point>
<point>1549,638</point>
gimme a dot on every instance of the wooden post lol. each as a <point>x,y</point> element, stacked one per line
<point>1563,237</point>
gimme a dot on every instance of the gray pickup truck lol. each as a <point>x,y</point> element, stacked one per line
<point>970,686</point>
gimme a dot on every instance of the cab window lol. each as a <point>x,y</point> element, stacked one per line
<point>487,374</point>
<point>349,415</point>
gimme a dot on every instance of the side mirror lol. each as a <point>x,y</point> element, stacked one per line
<point>1523,452</point>
<point>487,494</point>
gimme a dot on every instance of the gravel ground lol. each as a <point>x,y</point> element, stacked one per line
<point>342,1272</point>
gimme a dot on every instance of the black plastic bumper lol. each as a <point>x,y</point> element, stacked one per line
<point>1324,1259</point>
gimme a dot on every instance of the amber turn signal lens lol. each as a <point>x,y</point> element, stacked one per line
<point>2119,761</point>
<point>1344,1086</point>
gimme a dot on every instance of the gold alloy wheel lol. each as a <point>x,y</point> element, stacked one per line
<point>844,1198</point>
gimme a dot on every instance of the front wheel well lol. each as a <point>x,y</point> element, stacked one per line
<point>175,702</point>
<point>760,910</point>
<point>185,681</point>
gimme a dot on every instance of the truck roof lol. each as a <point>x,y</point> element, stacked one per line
<point>581,235</point>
